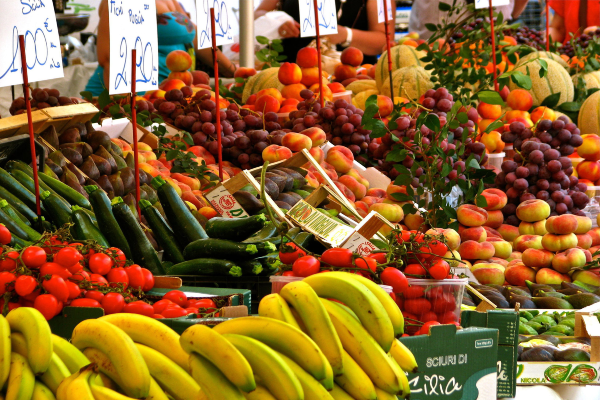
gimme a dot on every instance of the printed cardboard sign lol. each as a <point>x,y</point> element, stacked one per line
<point>380,14</point>
<point>312,220</point>
<point>327,18</point>
<point>223,19</point>
<point>359,244</point>
<point>225,204</point>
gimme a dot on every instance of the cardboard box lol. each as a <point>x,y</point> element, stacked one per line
<point>359,242</point>
<point>66,116</point>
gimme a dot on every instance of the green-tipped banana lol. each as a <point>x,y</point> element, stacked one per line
<point>5,349</point>
<point>34,327</point>
<point>274,306</point>
<point>69,354</point>
<point>310,386</point>
<point>355,381</point>
<point>211,380</point>
<point>42,392</point>
<point>20,379</point>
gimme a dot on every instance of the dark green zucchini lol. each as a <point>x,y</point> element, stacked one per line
<point>13,166</point>
<point>15,187</point>
<point>162,233</point>
<point>58,211</point>
<point>32,234</point>
<point>251,267</point>
<point>270,263</point>
<point>220,248</point>
<point>236,229</point>
<point>84,228</point>
<point>10,210</point>
<point>265,248</point>
<point>65,191</point>
<point>18,243</point>
<point>304,239</point>
<point>206,266</point>
<point>267,232</point>
<point>27,181</point>
<point>18,204</point>
<point>14,228</point>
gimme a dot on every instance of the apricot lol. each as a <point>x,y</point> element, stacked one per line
<point>336,87</point>
<point>519,99</point>
<point>352,56</point>
<point>274,153</point>
<point>184,76</point>
<point>170,84</point>
<point>385,106</point>
<point>270,92</point>
<point>178,61</point>
<point>289,73</point>
<point>492,141</point>
<point>327,93</point>
<point>307,57</point>
<point>489,111</point>
<point>343,72</point>
<point>293,91</point>
<point>244,72</point>
<point>267,103</point>
<point>542,113</point>
<point>310,76</point>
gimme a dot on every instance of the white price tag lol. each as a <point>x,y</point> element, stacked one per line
<point>327,17</point>
<point>36,20</point>
<point>380,14</point>
<point>133,26</point>
<point>486,3</point>
<point>223,20</point>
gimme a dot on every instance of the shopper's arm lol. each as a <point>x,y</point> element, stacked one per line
<point>226,67</point>
<point>264,7</point>
<point>519,7</point>
<point>557,28</point>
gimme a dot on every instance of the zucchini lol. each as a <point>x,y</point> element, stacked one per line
<point>265,248</point>
<point>58,211</point>
<point>206,266</point>
<point>276,240</point>
<point>12,226</point>
<point>220,248</point>
<point>32,234</point>
<point>141,248</point>
<point>15,187</point>
<point>270,263</point>
<point>18,204</point>
<point>10,210</point>
<point>13,166</point>
<point>65,191</point>
<point>106,220</point>
<point>92,216</point>
<point>251,267</point>
<point>236,229</point>
<point>27,181</point>
<point>267,232</point>
<point>178,214</point>
<point>84,228</point>
<point>18,243</point>
<point>162,233</point>
<point>304,239</point>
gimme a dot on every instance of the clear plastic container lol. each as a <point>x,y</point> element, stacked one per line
<point>575,161</point>
<point>495,159</point>
<point>347,95</point>
<point>593,192</point>
<point>509,151</point>
<point>283,117</point>
<point>278,282</point>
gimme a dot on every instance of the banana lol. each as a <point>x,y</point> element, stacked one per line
<point>102,393</point>
<point>305,301</point>
<point>299,320</point>
<point>61,393</point>
<point>402,376</point>
<point>312,389</point>
<point>390,306</point>
<point>170,376</point>
<point>20,378</point>
<point>132,373</point>
<point>363,348</point>
<point>338,394</point>
<point>281,337</point>
<point>69,354</point>
<point>355,381</point>
<point>260,393</point>
<point>274,306</point>
<point>328,381</point>
<point>277,376</point>
<point>211,345</point>
<point>103,380</point>
<point>211,379</point>
<point>368,308</point>
<point>32,324</point>
<point>79,388</point>
<point>383,395</point>
<point>42,392</point>
<point>155,392</point>
<point>404,357</point>
<point>5,349</point>
<point>150,332</point>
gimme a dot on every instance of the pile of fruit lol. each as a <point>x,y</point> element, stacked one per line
<point>557,324</point>
<point>544,348</point>
<point>40,99</point>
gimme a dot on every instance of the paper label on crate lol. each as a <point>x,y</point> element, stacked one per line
<point>319,224</point>
<point>359,244</point>
<point>486,3</point>
<point>380,14</point>
<point>224,17</point>
<point>225,204</point>
<point>531,373</point>
<point>327,18</point>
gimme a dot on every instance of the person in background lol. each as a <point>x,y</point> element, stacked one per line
<point>572,17</point>
<point>175,32</point>
<point>357,27</point>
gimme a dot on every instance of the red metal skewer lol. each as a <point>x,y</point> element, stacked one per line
<point>493,46</point>
<point>135,135</point>
<point>547,26</point>
<point>218,109</point>
<point>34,165</point>
<point>387,42</point>
<point>319,53</point>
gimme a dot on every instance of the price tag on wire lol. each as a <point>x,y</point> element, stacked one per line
<point>327,18</point>
<point>486,3</point>
<point>380,14</point>
<point>223,20</point>
<point>34,19</point>
<point>133,26</point>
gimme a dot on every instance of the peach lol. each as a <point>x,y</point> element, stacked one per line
<point>519,273</point>
<point>567,260</point>
<point>489,111</point>
<point>503,249</point>
<point>311,179</point>
<point>508,232</point>
<point>517,115</point>
<point>562,224</point>
<point>267,103</point>
<point>392,212</point>
<point>552,242</point>
<point>495,219</point>
<point>515,255</point>
<point>170,84</point>
<point>584,224</point>
<point>202,78</point>
<point>174,185</point>
<point>589,170</point>
<point>489,275</point>
<point>542,113</point>
<point>355,187</point>
<point>149,169</point>
<point>524,242</point>
<point>269,92</point>
<point>336,87</point>
<point>318,154</point>
<point>453,258</point>
<point>587,277</point>
<point>356,175</point>
<point>370,200</point>
<point>307,57</point>
<point>595,234</point>
<point>343,72</point>
<point>386,106</point>
<point>327,93</point>
<point>293,91</point>
<point>472,250</point>
<point>310,76</point>
<point>452,237</point>
<point>123,145</point>
<point>491,232</point>
<point>519,99</point>
<point>203,153</point>
<point>470,215</point>
<point>289,73</point>
<point>352,56</point>
<point>289,102</point>
<point>537,258</point>
<point>362,207</point>
<point>500,261</point>
<point>496,199</point>
<point>296,141</point>
<point>533,228</point>
<point>549,276</point>
<point>533,210</point>
<point>244,72</point>
<point>345,191</point>
<point>274,153</point>
<point>476,233</point>
<point>184,76</point>
<point>414,221</point>
<point>178,61</point>
<point>481,264</point>
<point>590,148</point>
<point>193,183</point>
<point>208,212</point>
<point>341,158</point>
<point>584,241</point>
<point>316,135</point>
<point>377,192</point>
<point>189,197</point>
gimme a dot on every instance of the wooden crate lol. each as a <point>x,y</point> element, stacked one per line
<point>18,124</point>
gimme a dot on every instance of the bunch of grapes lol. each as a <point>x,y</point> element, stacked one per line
<point>541,168</point>
<point>582,41</point>
<point>458,36</point>
<point>527,36</point>
<point>40,99</point>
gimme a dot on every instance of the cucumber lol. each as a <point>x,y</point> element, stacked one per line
<point>206,266</point>
<point>141,248</point>
<point>27,181</point>
<point>270,263</point>
<point>162,233</point>
<point>251,267</point>
<point>236,229</point>
<point>12,226</point>
<point>267,232</point>
<point>178,214</point>
<point>66,192</point>
<point>17,204</point>
<point>84,229</point>
<point>32,234</point>
<point>58,211</point>
<point>220,248</point>
<point>15,187</point>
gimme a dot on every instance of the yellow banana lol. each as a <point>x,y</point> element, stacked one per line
<point>211,380</point>
<point>5,349</point>
<point>79,388</point>
<point>313,390</point>
<point>274,306</point>
<point>277,376</point>
<point>42,392</point>
<point>69,354</point>
<point>390,306</point>
<point>404,357</point>
<point>155,392</point>
<point>328,381</point>
<point>402,376</point>
<point>355,381</point>
<point>20,379</point>
<point>281,337</point>
<point>170,376</point>
<point>132,373</point>
<point>150,332</point>
<point>102,393</point>
<point>260,393</point>
<point>299,320</point>
<point>368,308</point>
<point>32,324</point>
<point>305,301</point>
<point>338,394</point>
<point>61,393</point>
<point>383,395</point>
<point>103,380</point>
<point>220,352</point>
<point>363,348</point>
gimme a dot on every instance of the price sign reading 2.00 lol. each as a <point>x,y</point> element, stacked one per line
<point>327,18</point>
<point>133,26</point>
<point>223,19</point>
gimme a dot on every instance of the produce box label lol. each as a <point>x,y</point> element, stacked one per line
<point>319,224</point>
<point>507,371</point>
<point>359,244</point>
<point>575,373</point>
<point>225,204</point>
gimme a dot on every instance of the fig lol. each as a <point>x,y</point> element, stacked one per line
<point>120,161</point>
<point>73,156</point>
<point>77,173</point>
<point>114,149</point>
<point>103,165</point>
<point>53,167</point>
<point>70,179</point>
<point>71,135</point>
<point>58,158</point>
<point>88,127</point>
<point>117,184</point>
<point>128,178</point>
<point>82,129</point>
<point>89,168</point>
<point>97,139</point>
<point>82,148</point>
<point>51,136</point>
<point>104,184</point>
<point>129,160</point>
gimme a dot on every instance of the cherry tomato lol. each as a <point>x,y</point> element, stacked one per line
<point>306,266</point>
<point>33,257</point>
<point>87,253</point>
<point>116,276</point>
<point>158,316</point>
<point>415,269</point>
<point>59,307</point>
<point>136,276</point>
<point>177,297</point>
<point>395,278</point>
<point>434,248</point>
<point>443,303</point>
<point>365,262</point>
<point>75,268</point>
<point>148,280</point>
<point>53,245</point>
<point>25,284</point>
<point>192,310</point>
<point>113,303</point>
<point>74,290</point>
<point>439,269</point>
<point>139,307</point>
<point>98,279</point>
<point>426,328</point>
<point>94,294</point>
<point>118,255</point>
<point>289,253</point>
<point>410,236</point>
<point>288,273</point>
<point>82,275</point>
<point>32,296</point>
<point>381,258</point>
<point>85,303</point>
<point>100,264</point>
<point>417,306</point>
<point>67,256</point>
<point>52,268</point>
<point>413,292</point>
<point>174,312</point>
<point>160,305</point>
<point>204,303</point>
<point>47,305</point>
<point>5,236</point>
<point>57,287</point>
<point>428,316</point>
<point>338,257</point>
<point>10,262</point>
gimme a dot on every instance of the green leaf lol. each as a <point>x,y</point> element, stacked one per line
<point>431,27</point>
<point>570,106</point>
<point>261,57</point>
<point>522,80</point>
<point>444,6</point>
<point>493,126</point>
<point>262,40</point>
<point>481,201</point>
<point>86,95</point>
<point>551,101</point>
<point>401,197</point>
<point>446,168</point>
<point>432,122</point>
<point>103,99</point>
<point>462,117</point>
<point>544,67</point>
<point>472,163</point>
<point>490,97</point>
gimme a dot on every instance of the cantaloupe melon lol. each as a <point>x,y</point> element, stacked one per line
<point>361,85</point>
<point>410,82</point>
<point>556,80</point>
<point>360,99</point>
<point>591,80</point>
<point>543,54</point>
<point>589,115</point>
<point>402,56</point>
<point>263,80</point>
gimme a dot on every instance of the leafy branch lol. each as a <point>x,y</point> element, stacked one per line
<point>270,55</point>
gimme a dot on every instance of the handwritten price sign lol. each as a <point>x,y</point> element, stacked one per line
<point>35,20</point>
<point>327,18</point>
<point>486,3</point>
<point>223,20</point>
<point>133,26</point>
<point>380,14</point>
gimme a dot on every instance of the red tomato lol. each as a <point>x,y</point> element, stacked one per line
<point>289,253</point>
<point>75,268</point>
<point>52,268</point>
<point>439,269</point>
<point>174,312</point>
<point>160,305</point>
<point>139,307</point>
<point>192,310</point>
<point>85,303</point>
<point>417,306</point>
<point>83,275</point>
<point>158,316</point>
<point>98,279</point>
<point>148,280</point>
<point>33,257</point>
<point>395,278</point>
<point>74,290</point>
<point>427,325</point>
<point>116,276</point>
<point>204,303</point>
<point>447,317</point>
<point>381,258</point>
<point>52,245</point>
<point>67,256</point>
<point>47,305</point>
<point>366,262</point>
<point>118,256</point>
<point>414,292</point>
<point>306,266</point>
<point>5,236</point>
<point>444,303</point>
<point>136,276</point>
<point>288,273</point>
<point>415,269</point>
<point>177,297</point>
<point>33,295</point>
<point>428,316</point>
<point>94,294</point>
<point>338,257</point>
<point>100,264</point>
<point>10,262</point>
<point>434,248</point>
<point>113,303</point>
<point>410,236</point>
<point>25,284</point>
<point>56,286</point>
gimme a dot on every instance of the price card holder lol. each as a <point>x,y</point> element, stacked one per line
<point>359,242</point>
<point>381,17</point>
<point>223,18</point>
<point>327,17</point>
<point>494,3</point>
